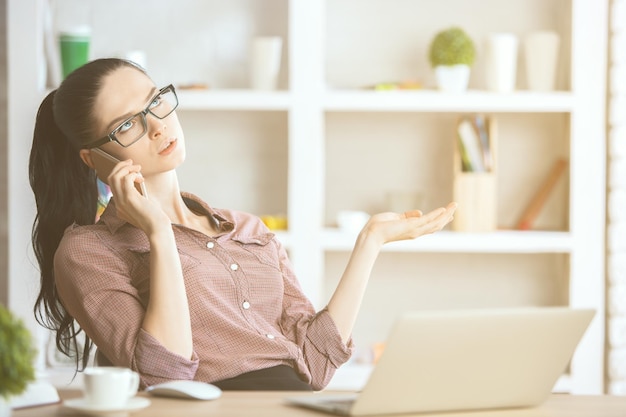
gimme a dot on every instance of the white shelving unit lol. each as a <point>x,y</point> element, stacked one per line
<point>321,143</point>
<point>315,113</point>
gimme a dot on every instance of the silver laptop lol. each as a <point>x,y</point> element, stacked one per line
<point>465,360</point>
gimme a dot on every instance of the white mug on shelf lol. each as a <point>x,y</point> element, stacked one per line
<point>541,52</point>
<point>109,386</point>
<point>265,62</point>
<point>501,60</point>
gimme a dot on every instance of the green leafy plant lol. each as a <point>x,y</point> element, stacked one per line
<point>452,47</point>
<point>16,355</point>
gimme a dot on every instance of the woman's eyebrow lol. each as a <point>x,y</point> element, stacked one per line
<point>125,116</point>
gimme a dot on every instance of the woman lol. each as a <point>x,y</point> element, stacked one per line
<point>163,283</point>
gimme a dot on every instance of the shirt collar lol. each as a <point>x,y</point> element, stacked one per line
<point>223,224</point>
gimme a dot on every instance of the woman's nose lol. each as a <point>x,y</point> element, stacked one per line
<point>156,126</point>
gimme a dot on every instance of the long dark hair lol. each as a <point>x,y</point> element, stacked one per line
<point>65,187</point>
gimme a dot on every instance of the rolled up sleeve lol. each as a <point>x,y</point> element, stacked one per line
<point>156,363</point>
<point>324,350</point>
<point>316,334</point>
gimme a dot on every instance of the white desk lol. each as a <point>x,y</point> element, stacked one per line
<point>271,404</point>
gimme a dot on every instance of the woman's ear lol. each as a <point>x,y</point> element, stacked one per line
<point>85,155</point>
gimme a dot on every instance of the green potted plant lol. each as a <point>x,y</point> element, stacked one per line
<point>452,54</point>
<point>16,359</point>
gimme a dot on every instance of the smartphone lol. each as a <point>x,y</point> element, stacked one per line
<point>104,163</point>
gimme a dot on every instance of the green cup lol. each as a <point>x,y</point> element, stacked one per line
<point>74,50</point>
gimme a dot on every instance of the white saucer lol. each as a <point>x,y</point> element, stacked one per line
<point>133,404</point>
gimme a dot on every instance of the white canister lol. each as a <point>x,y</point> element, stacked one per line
<point>265,62</point>
<point>541,52</point>
<point>501,62</point>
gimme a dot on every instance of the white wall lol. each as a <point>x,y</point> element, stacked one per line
<point>24,44</point>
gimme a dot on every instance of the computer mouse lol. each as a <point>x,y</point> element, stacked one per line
<point>196,390</point>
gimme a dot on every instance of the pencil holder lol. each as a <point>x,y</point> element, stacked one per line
<point>475,194</point>
<point>475,179</point>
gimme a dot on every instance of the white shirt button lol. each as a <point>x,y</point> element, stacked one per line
<point>270,336</point>
<point>234,267</point>
<point>246,305</point>
<point>210,245</point>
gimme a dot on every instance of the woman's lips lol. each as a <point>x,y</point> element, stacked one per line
<point>169,149</point>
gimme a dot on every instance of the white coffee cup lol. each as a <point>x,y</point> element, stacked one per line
<point>109,386</point>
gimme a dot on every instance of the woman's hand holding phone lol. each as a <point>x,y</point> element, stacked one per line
<point>104,163</point>
<point>128,188</point>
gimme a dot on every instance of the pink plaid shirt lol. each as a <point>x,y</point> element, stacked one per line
<point>247,309</point>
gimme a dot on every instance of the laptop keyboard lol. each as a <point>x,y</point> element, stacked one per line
<point>341,406</point>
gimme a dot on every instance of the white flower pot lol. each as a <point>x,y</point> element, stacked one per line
<point>5,407</point>
<point>452,78</point>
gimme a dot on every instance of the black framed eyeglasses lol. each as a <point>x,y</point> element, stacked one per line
<point>133,128</point>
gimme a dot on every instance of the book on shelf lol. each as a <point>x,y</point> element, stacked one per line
<point>474,144</point>
<point>533,209</point>
<point>481,123</point>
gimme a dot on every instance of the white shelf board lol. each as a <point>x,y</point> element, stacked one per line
<point>233,100</point>
<point>435,101</point>
<point>507,241</point>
